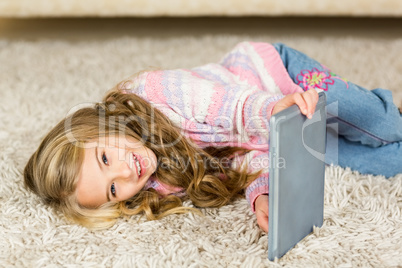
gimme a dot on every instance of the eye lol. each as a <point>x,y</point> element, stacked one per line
<point>113,190</point>
<point>104,159</point>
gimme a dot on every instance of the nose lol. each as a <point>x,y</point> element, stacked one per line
<point>123,175</point>
<point>122,171</point>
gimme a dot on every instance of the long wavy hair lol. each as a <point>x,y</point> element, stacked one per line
<point>52,171</point>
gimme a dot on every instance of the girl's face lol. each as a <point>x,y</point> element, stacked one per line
<point>114,169</point>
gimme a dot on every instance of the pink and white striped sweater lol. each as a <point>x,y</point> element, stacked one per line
<point>223,104</point>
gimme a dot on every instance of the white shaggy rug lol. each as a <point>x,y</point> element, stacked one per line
<point>40,81</point>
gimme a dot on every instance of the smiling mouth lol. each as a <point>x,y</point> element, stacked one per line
<point>137,163</point>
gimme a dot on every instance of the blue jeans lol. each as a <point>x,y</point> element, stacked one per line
<point>364,127</point>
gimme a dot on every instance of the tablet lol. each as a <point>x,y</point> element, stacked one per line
<point>296,178</point>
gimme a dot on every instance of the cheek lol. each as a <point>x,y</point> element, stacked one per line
<point>89,196</point>
<point>120,154</point>
<point>130,191</point>
<point>149,162</point>
<point>153,161</point>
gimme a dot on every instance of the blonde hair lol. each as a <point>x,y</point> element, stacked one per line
<point>52,171</point>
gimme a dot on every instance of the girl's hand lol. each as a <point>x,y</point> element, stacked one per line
<point>306,102</point>
<point>261,211</point>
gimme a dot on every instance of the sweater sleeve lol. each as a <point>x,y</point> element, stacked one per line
<point>255,160</point>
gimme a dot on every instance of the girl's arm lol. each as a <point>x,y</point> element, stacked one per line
<point>257,191</point>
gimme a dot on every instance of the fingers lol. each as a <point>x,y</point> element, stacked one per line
<point>307,102</point>
<point>300,101</point>
<point>262,220</point>
<point>262,211</point>
<point>311,99</point>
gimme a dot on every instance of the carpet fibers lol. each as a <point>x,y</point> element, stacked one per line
<point>40,81</point>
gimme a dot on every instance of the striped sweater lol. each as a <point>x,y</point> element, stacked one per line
<point>223,104</point>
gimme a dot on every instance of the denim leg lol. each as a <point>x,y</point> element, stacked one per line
<point>366,118</point>
<point>385,160</point>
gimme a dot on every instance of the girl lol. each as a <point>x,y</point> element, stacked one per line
<point>161,137</point>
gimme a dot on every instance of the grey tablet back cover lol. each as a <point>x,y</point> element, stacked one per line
<point>296,180</point>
